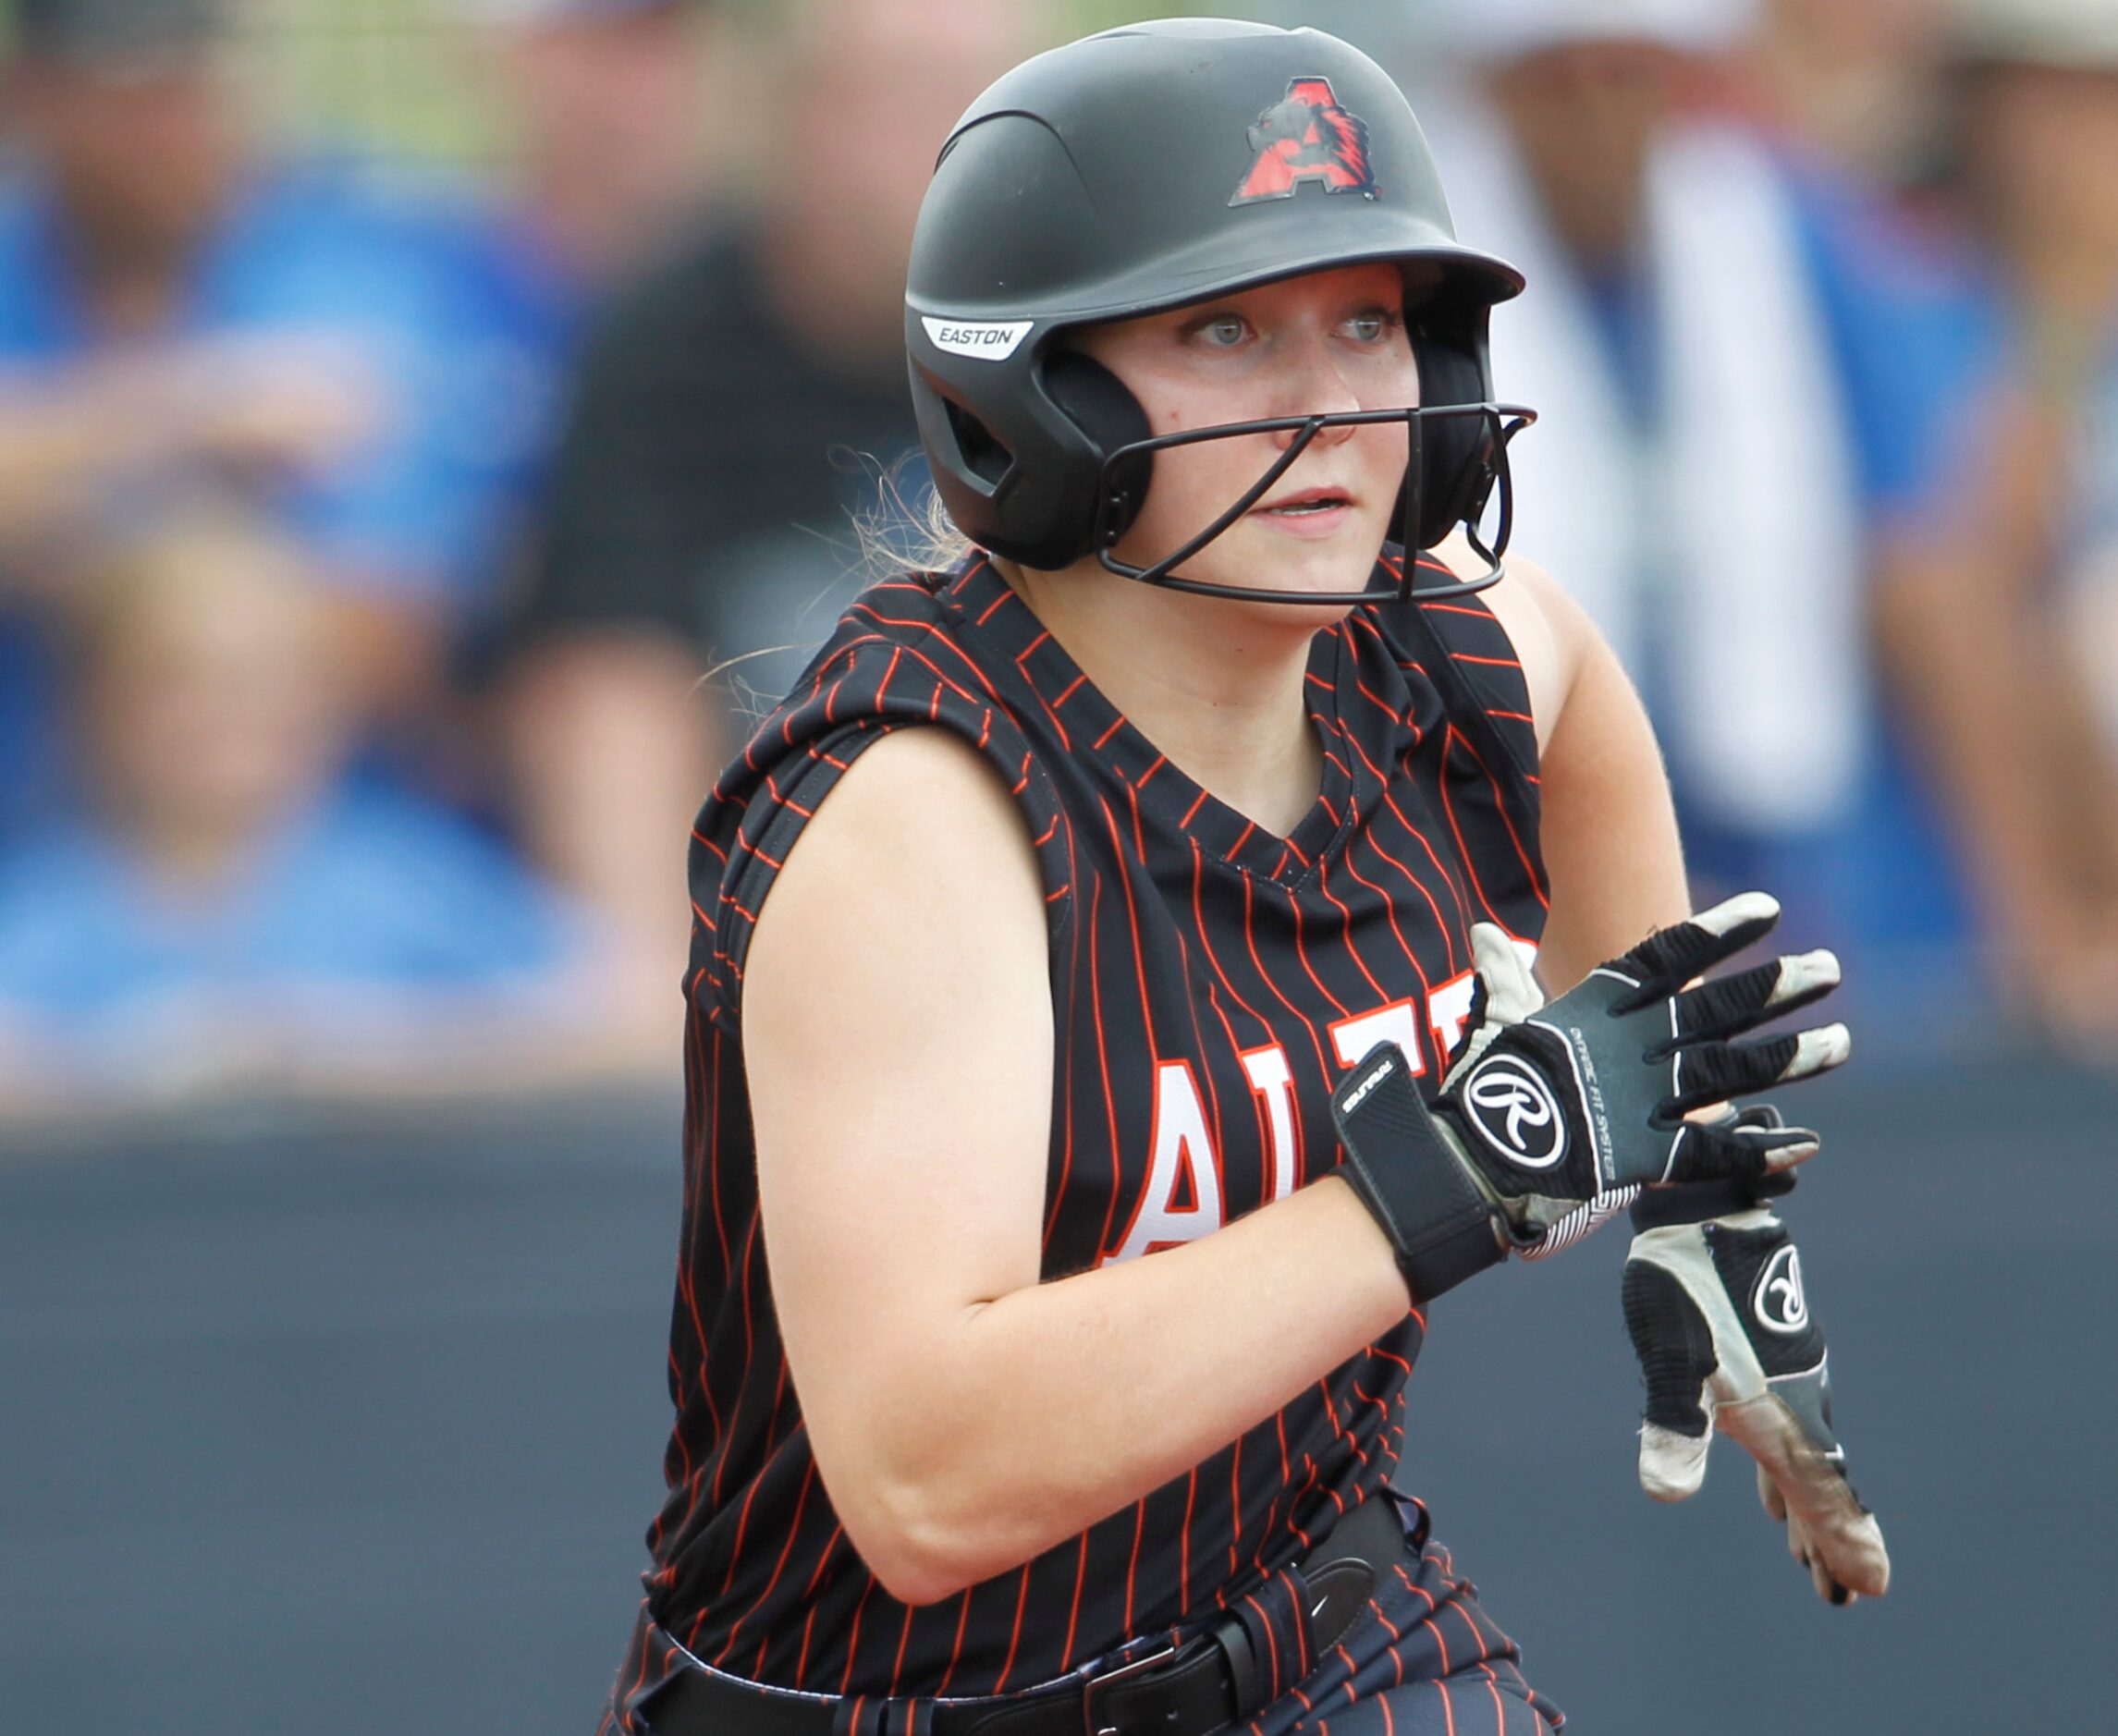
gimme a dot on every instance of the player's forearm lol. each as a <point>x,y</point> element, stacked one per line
<point>1056,1405</point>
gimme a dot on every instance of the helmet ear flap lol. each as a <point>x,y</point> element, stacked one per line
<point>1102,406</point>
<point>1459,454</point>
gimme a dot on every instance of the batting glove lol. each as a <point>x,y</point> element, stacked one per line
<point>1550,1123</point>
<point>1718,1318</point>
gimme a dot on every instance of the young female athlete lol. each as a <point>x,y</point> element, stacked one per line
<point>1082,946</point>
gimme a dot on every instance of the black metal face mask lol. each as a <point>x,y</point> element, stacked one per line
<point>1123,479</point>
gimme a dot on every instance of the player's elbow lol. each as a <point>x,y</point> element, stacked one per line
<point>918,1543</point>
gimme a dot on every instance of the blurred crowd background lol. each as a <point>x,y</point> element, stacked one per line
<point>429,428</point>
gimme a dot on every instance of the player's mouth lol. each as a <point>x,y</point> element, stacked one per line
<point>1310,512</point>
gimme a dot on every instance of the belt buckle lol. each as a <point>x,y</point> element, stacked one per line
<point>1095,1684</point>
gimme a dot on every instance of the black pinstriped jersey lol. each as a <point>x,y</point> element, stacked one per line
<point>1210,983</point>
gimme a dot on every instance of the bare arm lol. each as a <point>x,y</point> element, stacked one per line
<point>269,405</point>
<point>1975,657</point>
<point>897,1035</point>
<point>1609,829</point>
<point>612,747</point>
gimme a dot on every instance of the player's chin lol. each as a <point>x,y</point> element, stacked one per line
<point>1338,565</point>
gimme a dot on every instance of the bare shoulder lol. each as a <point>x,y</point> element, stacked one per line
<point>917,862</point>
<point>919,806</point>
<point>1548,630</point>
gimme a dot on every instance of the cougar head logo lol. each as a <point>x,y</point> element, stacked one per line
<point>1307,138</point>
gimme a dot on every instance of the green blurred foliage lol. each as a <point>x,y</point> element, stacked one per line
<point>405,84</point>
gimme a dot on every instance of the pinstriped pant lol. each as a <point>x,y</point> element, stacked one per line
<point>1424,1659</point>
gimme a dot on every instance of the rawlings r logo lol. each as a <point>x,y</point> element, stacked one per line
<point>1308,136</point>
<point>1777,1301</point>
<point>1515,1113</point>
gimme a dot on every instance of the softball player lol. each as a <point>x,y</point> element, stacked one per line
<point>1109,998</point>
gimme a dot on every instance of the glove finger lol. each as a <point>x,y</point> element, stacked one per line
<point>1695,1202</point>
<point>1674,1344</point>
<point>1671,957</point>
<point>1800,1545</point>
<point>1511,993</point>
<point>1729,1004</point>
<point>1744,1154</point>
<point>1714,1071</point>
<point>1841,1539</point>
<point>1672,1466</point>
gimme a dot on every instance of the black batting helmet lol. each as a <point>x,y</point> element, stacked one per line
<point>1140,170</point>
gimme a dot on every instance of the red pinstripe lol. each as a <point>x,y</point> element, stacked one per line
<point>1471,872</point>
<point>780,1566</point>
<point>853,1638</point>
<point>1390,805</point>
<point>1250,940</point>
<point>1301,953</point>
<point>1103,1066</point>
<point>1132,1567</point>
<point>956,1651</point>
<point>1066,1103</point>
<point>1015,1638</point>
<point>1390,911</point>
<point>1501,807</point>
<point>1080,1579</point>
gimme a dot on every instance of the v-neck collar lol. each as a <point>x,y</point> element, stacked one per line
<point>1096,734</point>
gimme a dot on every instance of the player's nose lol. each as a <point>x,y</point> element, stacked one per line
<point>1309,382</point>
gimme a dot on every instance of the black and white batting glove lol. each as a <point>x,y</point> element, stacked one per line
<point>1718,1315</point>
<point>1551,1121</point>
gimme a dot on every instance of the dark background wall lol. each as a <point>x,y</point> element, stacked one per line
<point>338,1427</point>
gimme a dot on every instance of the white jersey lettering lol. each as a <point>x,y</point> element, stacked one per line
<point>1181,1157</point>
<point>1355,1038</point>
<point>1273,1079</point>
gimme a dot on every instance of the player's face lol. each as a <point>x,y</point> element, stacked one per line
<point>1329,342</point>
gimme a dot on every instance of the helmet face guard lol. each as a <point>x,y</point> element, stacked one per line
<point>1153,167</point>
<point>1117,507</point>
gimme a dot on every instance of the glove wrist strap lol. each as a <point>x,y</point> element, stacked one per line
<point>1419,1186</point>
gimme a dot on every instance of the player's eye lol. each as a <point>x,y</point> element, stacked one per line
<point>1222,331</point>
<point>1374,326</point>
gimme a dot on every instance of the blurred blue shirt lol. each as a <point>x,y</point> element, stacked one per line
<point>1921,331</point>
<point>457,337</point>
<point>453,324</point>
<point>371,895</point>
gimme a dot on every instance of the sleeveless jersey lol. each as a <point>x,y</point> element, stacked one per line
<point>1210,983</point>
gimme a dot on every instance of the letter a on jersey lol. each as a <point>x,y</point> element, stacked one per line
<point>1181,1199</point>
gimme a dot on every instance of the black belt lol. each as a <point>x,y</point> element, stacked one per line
<point>1205,1685</point>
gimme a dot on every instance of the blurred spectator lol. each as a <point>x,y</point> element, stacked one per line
<point>1852,82</point>
<point>1690,480</point>
<point>225,908</point>
<point>731,414</point>
<point>605,108</point>
<point>176,304</point>
<point>1988,369</point>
